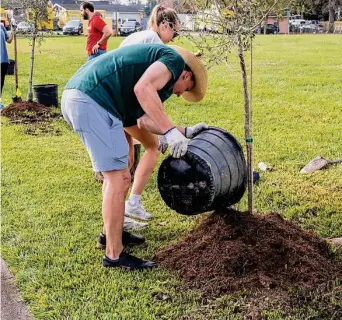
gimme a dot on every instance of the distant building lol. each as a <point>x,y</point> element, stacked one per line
<point>283,23</point>
<point>122,12</point>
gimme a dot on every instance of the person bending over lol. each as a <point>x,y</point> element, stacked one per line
<point>128,86</point>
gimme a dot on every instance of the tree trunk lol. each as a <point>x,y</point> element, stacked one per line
<point>30,93</point>
<point>16,61</point>
<point>264,31</point>
<point>248,126</point>
<point>331,16</point>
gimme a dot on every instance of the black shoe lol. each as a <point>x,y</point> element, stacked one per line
<point>132,239</point>
<point>127,239</point>
<point>128,262</point>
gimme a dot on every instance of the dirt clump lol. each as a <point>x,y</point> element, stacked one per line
<point>232,251</point>
<point>27,112</point>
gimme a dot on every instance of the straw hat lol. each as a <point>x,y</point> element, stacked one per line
<point>200,73</point>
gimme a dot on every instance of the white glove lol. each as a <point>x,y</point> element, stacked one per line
<point>162,144</point>
<point>191,132</point>
<point>177,142</point>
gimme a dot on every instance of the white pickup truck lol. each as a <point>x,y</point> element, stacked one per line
<point>296,23</point>
<point>296,20</point>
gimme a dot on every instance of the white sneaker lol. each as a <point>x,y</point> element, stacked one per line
<point>130,224</point>
<point>137,212</point>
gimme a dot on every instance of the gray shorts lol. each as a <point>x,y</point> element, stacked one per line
<point>101,133</point>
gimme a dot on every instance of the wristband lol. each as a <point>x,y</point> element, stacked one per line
<point>185,131</point>
<point>166,132</point>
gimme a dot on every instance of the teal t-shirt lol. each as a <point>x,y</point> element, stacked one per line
<point>110,78</point>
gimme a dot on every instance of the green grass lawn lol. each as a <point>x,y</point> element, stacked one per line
<point>51,203</point>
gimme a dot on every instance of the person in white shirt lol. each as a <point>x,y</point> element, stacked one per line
<point>163,27</point>
<point>162,20</point>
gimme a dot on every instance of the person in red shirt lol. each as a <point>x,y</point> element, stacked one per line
<point>98,31</point>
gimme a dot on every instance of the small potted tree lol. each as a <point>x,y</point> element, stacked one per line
<point>231,25</point>
<point>36,14</point>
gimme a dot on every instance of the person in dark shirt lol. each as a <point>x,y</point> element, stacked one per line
<point>121,88</point>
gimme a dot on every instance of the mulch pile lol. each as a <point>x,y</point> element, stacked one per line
<point>232,251</point>
<point>29,112</point>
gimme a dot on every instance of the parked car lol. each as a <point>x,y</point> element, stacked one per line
<point>270,29</point>
<point>295,17</point>
<point>296,21</point>
<point>73,27</point>
<point>297,25</point>
<point>129,27</point>
<point>314,26</point>
<point>125,20</point>
<point>24,27</point>
<point>310,28</point>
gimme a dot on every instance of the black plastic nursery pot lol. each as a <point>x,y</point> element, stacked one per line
<point>46,94</point>
<point>212,174</point>
<point>11,67</point>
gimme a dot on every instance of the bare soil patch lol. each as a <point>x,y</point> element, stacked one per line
<point>232,251</point>
<point>29,112</point>
<point>37,117</point>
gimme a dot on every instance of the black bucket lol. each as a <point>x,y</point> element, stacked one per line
<point>212,174</point>
<point>46,94</point>
<point>10,70</point>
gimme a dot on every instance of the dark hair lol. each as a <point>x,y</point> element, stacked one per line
<point>87,5</point>
<point>187,68</point>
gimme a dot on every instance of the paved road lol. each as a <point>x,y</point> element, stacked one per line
<point>12,306</point>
